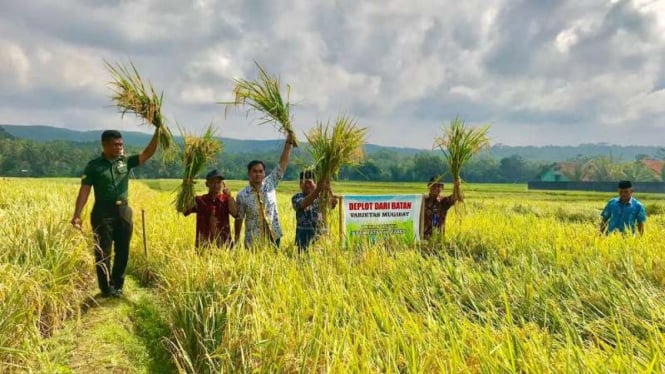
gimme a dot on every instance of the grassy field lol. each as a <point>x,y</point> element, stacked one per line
<point>522,283</point>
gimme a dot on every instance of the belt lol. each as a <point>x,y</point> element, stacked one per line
<point>118,202</point>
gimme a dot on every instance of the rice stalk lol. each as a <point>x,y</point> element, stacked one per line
<point>197,152</point>
<point>332,148</point>
<point>459,144</point>
<point>131,95</point>
<point>263,95</point>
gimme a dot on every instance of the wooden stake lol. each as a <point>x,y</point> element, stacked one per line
<point>340,218</point>
<point>145,245</point>
<point>422,217</point>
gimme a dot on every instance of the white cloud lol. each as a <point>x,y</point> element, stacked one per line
<point>14,65</point>
<point>534,70</point>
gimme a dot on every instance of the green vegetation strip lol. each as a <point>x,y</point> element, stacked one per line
<point>115,335</point>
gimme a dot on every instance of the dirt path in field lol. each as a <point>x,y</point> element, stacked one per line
<point>113,335</point>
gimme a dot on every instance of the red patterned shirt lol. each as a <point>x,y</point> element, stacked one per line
<point>212,220</point>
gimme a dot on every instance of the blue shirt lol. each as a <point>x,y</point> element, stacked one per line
<point>621,215</point>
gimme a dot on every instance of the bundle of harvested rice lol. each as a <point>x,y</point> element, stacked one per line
<point>131,95</point>
<point>197,152</point>
<point>333,148</point>
<point>458,145</point>
<point>263,95</point>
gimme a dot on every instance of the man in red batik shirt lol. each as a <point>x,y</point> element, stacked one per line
<point>212,213</point>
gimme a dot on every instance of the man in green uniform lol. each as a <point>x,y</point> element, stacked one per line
<point>111,217</point>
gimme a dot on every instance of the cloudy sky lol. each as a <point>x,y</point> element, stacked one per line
<point>539,72</point>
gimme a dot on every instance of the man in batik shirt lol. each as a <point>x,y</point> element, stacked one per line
<point>436,208</point>
<point>257,203</point>
<point>306,205</point>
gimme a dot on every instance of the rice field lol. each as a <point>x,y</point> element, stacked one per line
<point>522,283</point>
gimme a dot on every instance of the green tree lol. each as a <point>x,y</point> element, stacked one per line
<point>576,173</point>
<point>512,169</point>
<point>4,134</point>
<point>365,171</point>
<point>603,169</point>
<point>637,171</point>
<point>481,169</point>
<point>426,165</point>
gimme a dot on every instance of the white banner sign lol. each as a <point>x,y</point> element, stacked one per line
<point>375,216</point>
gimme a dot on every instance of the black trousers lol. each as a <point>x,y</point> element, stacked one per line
<point>113,227</point>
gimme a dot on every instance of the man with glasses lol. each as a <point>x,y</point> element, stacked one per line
<point>111,216</point>
<point>257,203</point>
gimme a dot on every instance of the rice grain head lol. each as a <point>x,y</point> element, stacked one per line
<point>264,95</point>
<point>131,95</point>
<point>459,144</point>
<point>197,152</point>
<point>331,149</point>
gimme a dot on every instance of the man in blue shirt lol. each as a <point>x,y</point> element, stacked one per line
<point>623,212</point>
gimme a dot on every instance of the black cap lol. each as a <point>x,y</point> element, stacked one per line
<point>435,180</point>
<point>307,174</point>
<point>625,184</point>
<point>214,174</point>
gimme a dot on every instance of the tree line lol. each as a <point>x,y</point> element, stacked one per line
<point>21,157</point>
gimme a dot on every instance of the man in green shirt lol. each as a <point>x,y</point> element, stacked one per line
<point>111,217</point>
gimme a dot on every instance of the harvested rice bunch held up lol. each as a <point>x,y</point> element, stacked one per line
<point>332,148</point>
<point>198,151</point>
<point>131,95</point>
<point>459,144</point>
<point>263,95</point>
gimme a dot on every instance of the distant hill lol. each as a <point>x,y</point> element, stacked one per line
<point>497,151</point>
<point>47,133</point>
<point>4,134</point>
<point>561,153</point>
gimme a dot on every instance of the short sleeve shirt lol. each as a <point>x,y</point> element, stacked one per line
<point>620,216</point>
<point>212,220</point>
<point>436,211</point>
<point>109,178</point>
<point>251,204</point>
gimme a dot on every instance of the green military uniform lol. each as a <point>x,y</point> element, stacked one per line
<point>110,179</point>
<point>111,217</point>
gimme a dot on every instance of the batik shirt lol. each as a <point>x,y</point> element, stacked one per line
<point>259,209</point>
<point>308,218</point>
<point>436,211</point>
